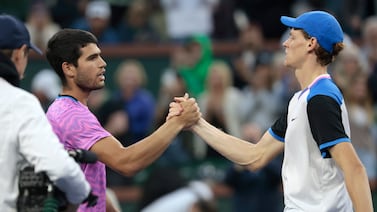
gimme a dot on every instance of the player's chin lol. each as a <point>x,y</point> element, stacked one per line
<point>100,85</point>
<point>288,64</point>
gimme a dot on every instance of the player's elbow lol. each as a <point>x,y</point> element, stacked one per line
<point>255,165</point>
<point>129,170</point>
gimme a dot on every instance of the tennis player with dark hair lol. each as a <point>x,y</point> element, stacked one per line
<point>76,58</point>
<point>27,138</point>
<point>321,171</point>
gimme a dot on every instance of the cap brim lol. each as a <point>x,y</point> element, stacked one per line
<point>32,46</point>
<point>289,21</point>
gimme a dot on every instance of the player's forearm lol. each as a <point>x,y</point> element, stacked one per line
<point>235,149</point>
<point>146,151</point>
<point>359,190</point>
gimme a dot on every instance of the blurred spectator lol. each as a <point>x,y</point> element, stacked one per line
<point>96,100</point>
<point>369,52</point>
<point>348,65</point>
<point>132,98</point>
<point>167,190</point>
<point>171,85</point>
<point>46,86</point>
<point>160,181</point>
<point>224,24</point>
<point>251,41</point>
<point>158,20</point>
<point>285,80</point>
<point>40,24</point>
<point>256,190</point>
<point>219,105</point>
<point>65,12</point>
<point>372,82</point>
<point>266,14</point>
<point>197,196</point>
<point>371,7</point>
<point>261,101</point>
<point>129,111</point>
<point>19,9</point>
<point>350,14</point>
<point>136,26</point>
<point>185,18</point>
<point>369,42</point>
<point>119,9</point>
<point>361,114</point>
<point>139,102</point>
<point>350,72</point>
<point>199,58</point>
<point>97,21</point>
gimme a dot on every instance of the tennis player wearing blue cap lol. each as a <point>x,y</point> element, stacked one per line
<point>321,171</point>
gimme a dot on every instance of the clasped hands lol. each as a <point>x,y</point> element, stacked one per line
<point>186,109</point>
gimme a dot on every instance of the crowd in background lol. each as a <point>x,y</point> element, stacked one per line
<point>242,96</point>
<point>140,21</point>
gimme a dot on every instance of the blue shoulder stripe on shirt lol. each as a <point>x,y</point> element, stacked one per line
<point>332,143</point>
<point>328,88</point>
<point>326,145</point>
<point>275,136</point>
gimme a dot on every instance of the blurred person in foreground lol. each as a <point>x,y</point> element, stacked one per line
<point>166,189</point>
<point>27,137</point>
<point>321,170</point>
<point>75,56</point>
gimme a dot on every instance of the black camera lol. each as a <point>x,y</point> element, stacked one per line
<point>38,193</point>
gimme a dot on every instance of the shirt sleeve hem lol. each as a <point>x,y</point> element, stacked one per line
<point>273,134</point>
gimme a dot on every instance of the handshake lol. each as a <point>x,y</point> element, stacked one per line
<point>185,110</point>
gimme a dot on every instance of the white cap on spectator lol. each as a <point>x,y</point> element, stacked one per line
<point>181,199</point>
<point>98,9</point>
<point>48,82</point>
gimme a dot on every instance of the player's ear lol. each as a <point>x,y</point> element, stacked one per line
<point>20,53</point>
<point>312,43</point>
<point>68,69</point>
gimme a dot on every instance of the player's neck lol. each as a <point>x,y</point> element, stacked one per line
<point>306,76</point>
<point>80,96</point>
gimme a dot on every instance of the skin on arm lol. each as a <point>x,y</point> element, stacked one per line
<point>355,176</point>
<point>253,156</point>
<point>129,160</point>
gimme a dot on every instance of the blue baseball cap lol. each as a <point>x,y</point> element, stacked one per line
<point>14,34</point>
<point>319,24</point>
